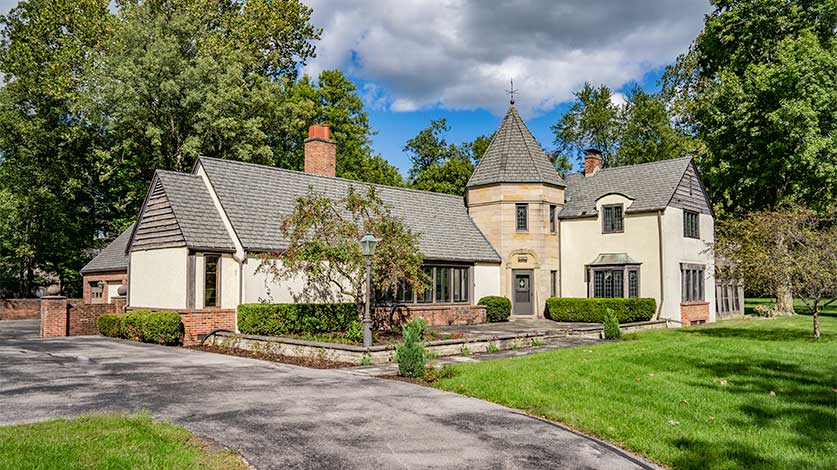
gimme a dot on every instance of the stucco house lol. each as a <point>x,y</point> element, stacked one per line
<point>522,230</point>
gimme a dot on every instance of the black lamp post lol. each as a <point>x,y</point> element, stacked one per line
<point>367,247</point>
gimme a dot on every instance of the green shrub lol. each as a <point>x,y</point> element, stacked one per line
<point>296,319</point>
<point>593,310</point>
<point>111,325</point>
<point>162,328</point>
<point>133,324</point>
<point>611,326</point>
<point>355,332</point>
<point>497,308</point>
<point>410,354</point>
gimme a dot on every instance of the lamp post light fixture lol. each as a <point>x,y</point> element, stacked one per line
<point>367,246</point>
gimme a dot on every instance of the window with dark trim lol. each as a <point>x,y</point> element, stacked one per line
<point>616,281</point>
<point>553,283</point>
<point>426,297</point>
<point>609,284</point>
<point>691,224</point>
<point>612,221</point>
<point>210,280</point>
<point>633,283</point>
<point>522,217</point>
<point>692,282</point>
<point>552,222</point>
<point>460,284</point>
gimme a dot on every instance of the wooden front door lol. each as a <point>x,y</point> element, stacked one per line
<point>522,292</point>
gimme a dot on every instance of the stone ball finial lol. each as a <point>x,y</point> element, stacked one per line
<point>53,290</point>
<point>122,290</point>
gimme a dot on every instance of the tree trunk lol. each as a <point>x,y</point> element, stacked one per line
<point>816,322</point>
<point>784,301</point>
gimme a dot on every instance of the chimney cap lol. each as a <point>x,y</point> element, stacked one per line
<point>591,152</point>
<point>319,131</point>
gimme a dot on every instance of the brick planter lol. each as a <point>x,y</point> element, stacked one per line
<point>433,314</point>
<point>694,313</point>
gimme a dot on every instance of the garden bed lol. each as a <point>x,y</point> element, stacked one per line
<point>312,362</point>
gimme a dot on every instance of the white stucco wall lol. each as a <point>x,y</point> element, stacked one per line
<point>582,241</point>
<point>229,272</point>
<point>157,278</point>
<point>678,249</point>
<point>261,286</point>
<point>486,280</point>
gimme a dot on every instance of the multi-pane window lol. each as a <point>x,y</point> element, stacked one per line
<point>691,224</point>
<point>404,292</point>
<point>447,284</point>
<point>608,284</point>
<point>553,283</point>
<point>427,296</point>
<point>552,215</point>
<point>692,282</point>
<point>612,220</point>
<point>210,281</point>
<point>522,217</point>
<point>633,284</point>
<point>460,284</point>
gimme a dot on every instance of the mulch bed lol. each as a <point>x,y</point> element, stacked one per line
<point>313,363</point>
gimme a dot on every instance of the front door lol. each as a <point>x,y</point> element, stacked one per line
<point>522,288</point>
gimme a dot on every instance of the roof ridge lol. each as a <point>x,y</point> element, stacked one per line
<point>338,178</point>
<point>635,165</point>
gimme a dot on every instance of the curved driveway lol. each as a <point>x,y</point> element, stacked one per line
<point>281,416</point>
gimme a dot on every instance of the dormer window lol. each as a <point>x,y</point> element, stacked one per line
<point>612,221</point>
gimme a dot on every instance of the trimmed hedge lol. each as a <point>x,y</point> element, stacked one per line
<point>162,328</point>
<point>111,325</point>
<point>133,324</point>
<point>497,308</point>
<point>296,319</point>
<point>594,310</point>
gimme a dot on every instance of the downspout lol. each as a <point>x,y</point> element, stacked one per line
<point>662,277</point>
<point>240,288</point>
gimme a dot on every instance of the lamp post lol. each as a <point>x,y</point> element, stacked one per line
<point>367,247</point>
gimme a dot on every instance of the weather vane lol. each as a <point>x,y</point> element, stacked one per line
<point>511,91</point>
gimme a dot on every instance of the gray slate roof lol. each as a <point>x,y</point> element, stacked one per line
<point>256,198</point>
<point>514,156</point>
<point>606,259</point>
<point>650,185</point>
<point>112,257</point>
<point>200,223</point>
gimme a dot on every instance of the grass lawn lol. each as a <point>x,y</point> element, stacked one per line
<point>108,442</point>
<point>798,306</point>
<point>689,397</point>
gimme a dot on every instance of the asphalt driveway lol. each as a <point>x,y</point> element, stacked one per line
<point>281,416</point>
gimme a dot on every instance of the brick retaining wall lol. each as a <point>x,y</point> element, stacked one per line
<point>82,317</point>
<point>694,313</point>
<point>434,315</point>
<point>197,323</point>
<point>20,309</point>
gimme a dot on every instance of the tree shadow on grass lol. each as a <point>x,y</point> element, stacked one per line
<point>698,454</point>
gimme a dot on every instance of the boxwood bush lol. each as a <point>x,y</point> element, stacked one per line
<point>296,319</point>
<point>594,310</point>
<point>162,328</point>
<point>133,321</point>
<point>111,325</point>
<point>497,308</point>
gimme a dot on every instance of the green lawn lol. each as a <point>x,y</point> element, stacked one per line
<point>108,442</point>
<point>798,306</point>
<point>688,398</point>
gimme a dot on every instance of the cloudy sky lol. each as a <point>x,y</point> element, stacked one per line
<point>418,60</point>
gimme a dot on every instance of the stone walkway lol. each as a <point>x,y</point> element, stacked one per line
<point>551,345</point>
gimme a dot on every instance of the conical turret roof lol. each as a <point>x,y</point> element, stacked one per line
<point>514,156</point>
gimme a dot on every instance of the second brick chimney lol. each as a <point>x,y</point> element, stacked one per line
<point>320,152</point>
<point>592,161</point>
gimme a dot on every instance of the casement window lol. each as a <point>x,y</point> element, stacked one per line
<point>211,280</point>
<point>426,297</point>
<point>615,281</point>
<point>692,282</point>
<point>553,224</point>
<point>691,224</point>
<point>447,284</point>
<point>553,283</point>
<point>460,284</point>
<point>612,220</point>
<point>522,217</point>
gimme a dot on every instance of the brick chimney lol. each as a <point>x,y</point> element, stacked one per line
<point>320,152</point>
<point>592,161</point>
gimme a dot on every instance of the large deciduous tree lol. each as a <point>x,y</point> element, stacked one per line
<point>323,236</point>
<point>758,88</point>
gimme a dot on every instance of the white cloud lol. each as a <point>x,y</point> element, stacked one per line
<point>460,54</point>
<point>618,99</point>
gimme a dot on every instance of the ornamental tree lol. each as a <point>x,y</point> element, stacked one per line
<point>323,251</point>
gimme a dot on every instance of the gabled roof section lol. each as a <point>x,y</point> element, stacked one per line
<point>651,186</point>
<point>112,258</point>
<point>514,156</point>
<point>179,211</point>
<point>256,198</point>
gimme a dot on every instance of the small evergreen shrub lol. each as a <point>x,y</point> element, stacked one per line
<point>162,328</point>
<point>133,324</point>
<point>410,354</point>
<point>110,325</point>
<point>355,332</point>
<point>594,310</point>
<point>611,326</point>
<point>296,319</point>
<point>497,308</point>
